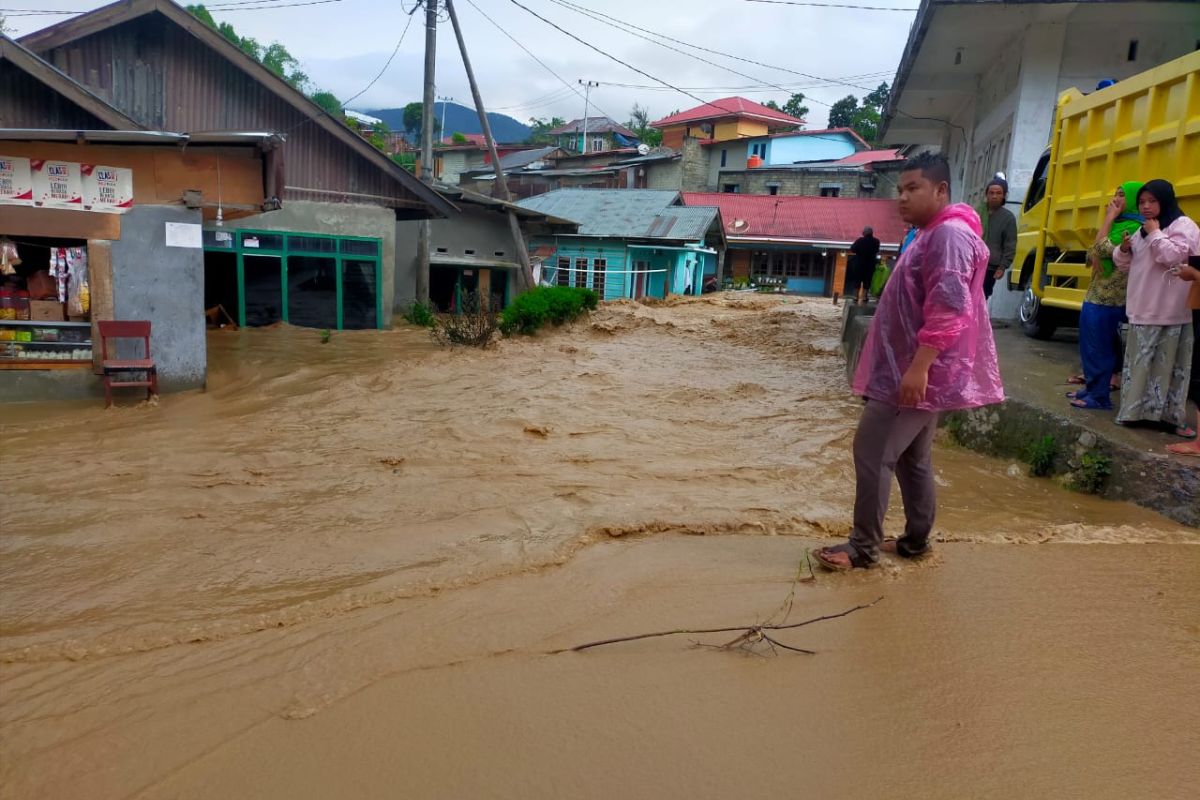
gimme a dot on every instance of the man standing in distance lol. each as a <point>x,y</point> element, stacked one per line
<point>930,349</point>
<point>861,266</point>
<point>999,233</point>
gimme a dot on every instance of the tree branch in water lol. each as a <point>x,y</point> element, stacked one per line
<point>750,634</point>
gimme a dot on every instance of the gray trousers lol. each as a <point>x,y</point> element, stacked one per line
<point>893,441</point>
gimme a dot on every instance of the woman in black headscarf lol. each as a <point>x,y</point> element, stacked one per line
<point>1158,352</point>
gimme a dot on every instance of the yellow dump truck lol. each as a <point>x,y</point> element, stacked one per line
<point>1144,127</point>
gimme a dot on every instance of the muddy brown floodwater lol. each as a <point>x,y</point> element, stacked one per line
<point>339,571</point>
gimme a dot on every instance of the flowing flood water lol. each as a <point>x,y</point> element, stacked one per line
<point>343,569</point>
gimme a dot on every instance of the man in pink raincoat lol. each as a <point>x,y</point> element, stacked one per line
<point>930,349</point>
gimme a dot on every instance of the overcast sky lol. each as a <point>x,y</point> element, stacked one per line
<point>344,43</point>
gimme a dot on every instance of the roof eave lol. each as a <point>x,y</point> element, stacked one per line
<point>916,35</point>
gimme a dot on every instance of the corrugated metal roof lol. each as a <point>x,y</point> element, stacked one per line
<point>870,157</point>
<point>728,107</point>
<point>594,125</point>
<point>626,213</point>
<point>265,140</point>
<point>160,65</point>
<point>812,219</point>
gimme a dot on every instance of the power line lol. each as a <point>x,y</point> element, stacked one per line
<point>596,16</point>
<point>618,22</point>
<point>395,50</point>
<point>269,6</point>
<point>530,53</point>
<point>830,5</point>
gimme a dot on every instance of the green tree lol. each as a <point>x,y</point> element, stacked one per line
<point>4,25</point>
<point>841,113</point>
<point>274,56</point>
<point>539,130</point>
<point>458,138</point>
<point>329,102</point>
<point>639,123</point>
<point>771,104</point>
<point>413,117</point>
<point>795,107</point>
<point>865,118</point>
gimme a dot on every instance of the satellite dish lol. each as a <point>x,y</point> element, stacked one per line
<point>643,149</point>
<point>738,225</point>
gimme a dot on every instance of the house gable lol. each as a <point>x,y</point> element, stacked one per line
<point>168,70</point>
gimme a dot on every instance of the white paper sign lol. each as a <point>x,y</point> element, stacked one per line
<point>107,188</point>
<point>57,184</point>
<point>16,181</point>
<point>184,234</point>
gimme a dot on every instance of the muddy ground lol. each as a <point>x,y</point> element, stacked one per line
<point>340,571</point>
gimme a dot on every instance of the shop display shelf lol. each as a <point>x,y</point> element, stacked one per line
<point>28,323</point>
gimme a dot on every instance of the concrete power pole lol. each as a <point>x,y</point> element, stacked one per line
<point>424,233</point>
<point>587,92</point>
<point>525,277</point>
<point>442,130</point>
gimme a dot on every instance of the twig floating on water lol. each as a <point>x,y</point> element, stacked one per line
<point>749,633</point>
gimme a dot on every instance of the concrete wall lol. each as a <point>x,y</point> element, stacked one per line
<point>798,182</point>
<point>665,175</point>
<point>695,160</point>
<point>166,286</point>
<point>481,230</point>
<point>736,154</point>
<point>336,219</point>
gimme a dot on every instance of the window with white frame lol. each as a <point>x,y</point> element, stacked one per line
<point>598,144</point>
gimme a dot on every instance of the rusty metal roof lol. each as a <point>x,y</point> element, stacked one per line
<point>173,71</point>
<point>27,62</point>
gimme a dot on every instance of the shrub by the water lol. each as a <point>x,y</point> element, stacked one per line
<point>474,325</point>
<point>547,304</point>
<point>421,314</point>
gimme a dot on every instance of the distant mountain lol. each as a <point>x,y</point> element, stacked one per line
<point>460,119</point>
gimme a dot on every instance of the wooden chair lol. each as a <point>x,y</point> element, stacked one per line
<point>116,369</point>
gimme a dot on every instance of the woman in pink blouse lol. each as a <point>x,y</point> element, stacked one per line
<point>1158,352</point>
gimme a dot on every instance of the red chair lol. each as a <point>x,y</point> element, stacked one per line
<point>115,368</point>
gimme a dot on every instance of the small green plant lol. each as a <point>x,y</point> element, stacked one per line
<point>1092,474</point>
<point>1041,456</point>
<point>954,427</point>
<point>546,304</point>
<point>325,336</point>
<point>422,315</point>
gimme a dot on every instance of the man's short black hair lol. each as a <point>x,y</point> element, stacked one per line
<point>933,166</point>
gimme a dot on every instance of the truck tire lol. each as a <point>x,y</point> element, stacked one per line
<point>1037,321</point>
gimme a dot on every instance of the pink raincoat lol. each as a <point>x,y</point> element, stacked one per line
<point>935,298</point>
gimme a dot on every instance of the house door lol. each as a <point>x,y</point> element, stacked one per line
<point>639,279</point>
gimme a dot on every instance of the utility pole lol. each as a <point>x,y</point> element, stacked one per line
<point>587,91</point>
<point>442,132</point>
<point>525,276</point>
<point>425,231</point>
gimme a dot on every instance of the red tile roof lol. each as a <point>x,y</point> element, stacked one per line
<point>806,219</point>
<point>870,157</point>
<point>472,138</point>
<point>728,107</point>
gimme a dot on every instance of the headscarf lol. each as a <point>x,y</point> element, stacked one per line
<point>1128,222</point>
<point>1168,206</point>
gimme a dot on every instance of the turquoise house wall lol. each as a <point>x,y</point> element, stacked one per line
<point>674,266</point>
<point>615,254</point>
<point>823,147</point>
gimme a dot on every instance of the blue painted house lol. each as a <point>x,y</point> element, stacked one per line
<point>631,243</point>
